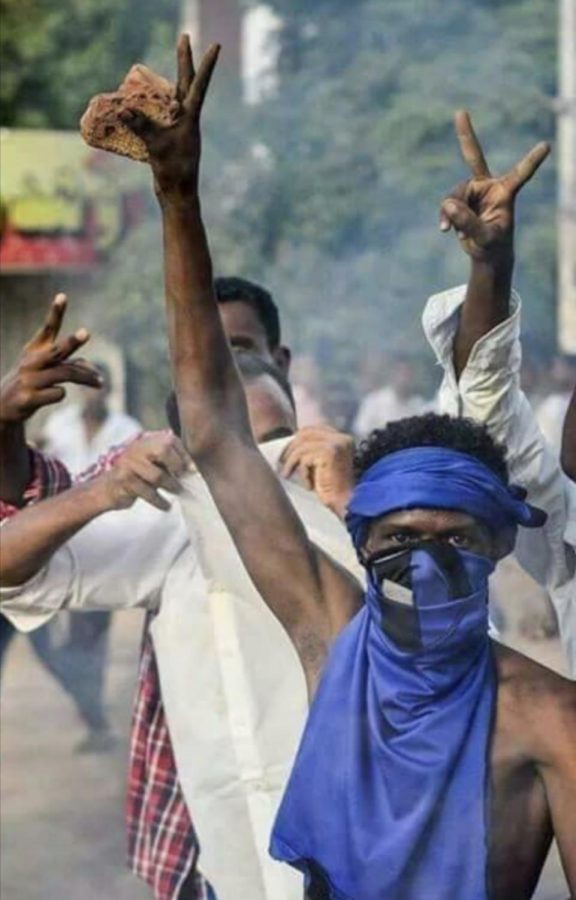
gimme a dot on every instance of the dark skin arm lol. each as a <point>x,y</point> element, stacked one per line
<point>551,732</point>
<point>35,381</point>
<point>569,440</point>
<point>31,537</point>
<point>312,597</point>
<point>481,211</point>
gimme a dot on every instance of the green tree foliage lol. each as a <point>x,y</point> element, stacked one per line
<point>328,191</point>
<point>55,55</point>
<point>361,133</point>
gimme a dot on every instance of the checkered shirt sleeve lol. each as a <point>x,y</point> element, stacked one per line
<point>49,477</point>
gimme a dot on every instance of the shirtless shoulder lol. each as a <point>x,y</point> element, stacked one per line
<point>532,765</point>
<point>539,704</point>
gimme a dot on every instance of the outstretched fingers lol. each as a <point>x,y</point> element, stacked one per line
<point>470,145</point>
<point>527,167</point>
<point>196,94</point>
<point>186,71</point>
<point>52,323</point>
<point>69,345</point>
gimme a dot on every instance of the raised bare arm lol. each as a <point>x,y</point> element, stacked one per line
<point>481,211</point>
<point>569,440</point>
<point>34,381</point>
<point>311,597</point>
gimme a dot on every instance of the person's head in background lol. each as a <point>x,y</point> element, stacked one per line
<point>340,403</point>
<point>95,402</point>
<point>251,320</point>
<point>268,395</point>
<point>563,373</point>
<point>372,366</point>
<point>401,375</point>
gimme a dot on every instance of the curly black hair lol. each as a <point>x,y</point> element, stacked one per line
<point>432,430</point>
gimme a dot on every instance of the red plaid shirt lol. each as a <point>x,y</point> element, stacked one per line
<point>162,844</point>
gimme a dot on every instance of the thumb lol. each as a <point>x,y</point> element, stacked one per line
<point>458,215</point>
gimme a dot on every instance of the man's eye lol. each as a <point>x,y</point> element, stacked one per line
<point>459,540</point>
<point>401,538</point>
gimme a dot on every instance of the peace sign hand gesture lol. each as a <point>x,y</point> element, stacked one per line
<point>174,150</point>
<point>481,210</point>
<point>42,368</point>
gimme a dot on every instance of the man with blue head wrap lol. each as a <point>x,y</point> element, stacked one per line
<point>435,765</point>
<point>407,699</point>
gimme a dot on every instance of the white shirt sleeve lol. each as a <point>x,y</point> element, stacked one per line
<point>118,561</point>
<point>489,392</point>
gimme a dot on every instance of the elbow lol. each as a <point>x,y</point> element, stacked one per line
<point>208,427</point>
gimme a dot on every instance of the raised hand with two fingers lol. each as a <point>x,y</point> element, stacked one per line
<point>481,209</point>
<point>174,150</point>
<point>43,366</point>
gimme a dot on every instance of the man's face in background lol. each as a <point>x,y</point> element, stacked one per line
<point>245,331</point>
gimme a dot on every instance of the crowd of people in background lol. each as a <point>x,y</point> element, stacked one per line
<point>394,385</point>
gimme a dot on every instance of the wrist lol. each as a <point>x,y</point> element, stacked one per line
<point>498,263</point>
<point>179,199</point>
<point>491,279</point>
<point>339,502</point>
<point>98,494</point>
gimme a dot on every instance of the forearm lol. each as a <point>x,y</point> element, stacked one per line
<point>487,304</point>
<point>569,440</point>
<point>15,466</point>
<point>210,396</point>
<point>31,537</point>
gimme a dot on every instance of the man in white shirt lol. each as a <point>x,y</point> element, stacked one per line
<point>79,433</point>
<point>475,334</point>
<point>234,715</point>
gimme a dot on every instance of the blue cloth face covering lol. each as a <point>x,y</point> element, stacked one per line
<point>388,795</point>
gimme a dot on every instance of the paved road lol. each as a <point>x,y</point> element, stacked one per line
<point>61,824</point>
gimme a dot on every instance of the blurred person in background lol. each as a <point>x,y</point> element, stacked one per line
<point>340,403</point>
<point>80,432</point>
<point>535,362</point>
<point>396,400</point>
<point>77,435</point>
<point>307,391</point>
<point>551,411</point>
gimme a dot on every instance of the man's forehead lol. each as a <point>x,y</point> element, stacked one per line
<point>239,318</point>
<point>427,518</point>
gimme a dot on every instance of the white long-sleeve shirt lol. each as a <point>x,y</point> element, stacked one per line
<point>232,685</point>
<point>489,392</point>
